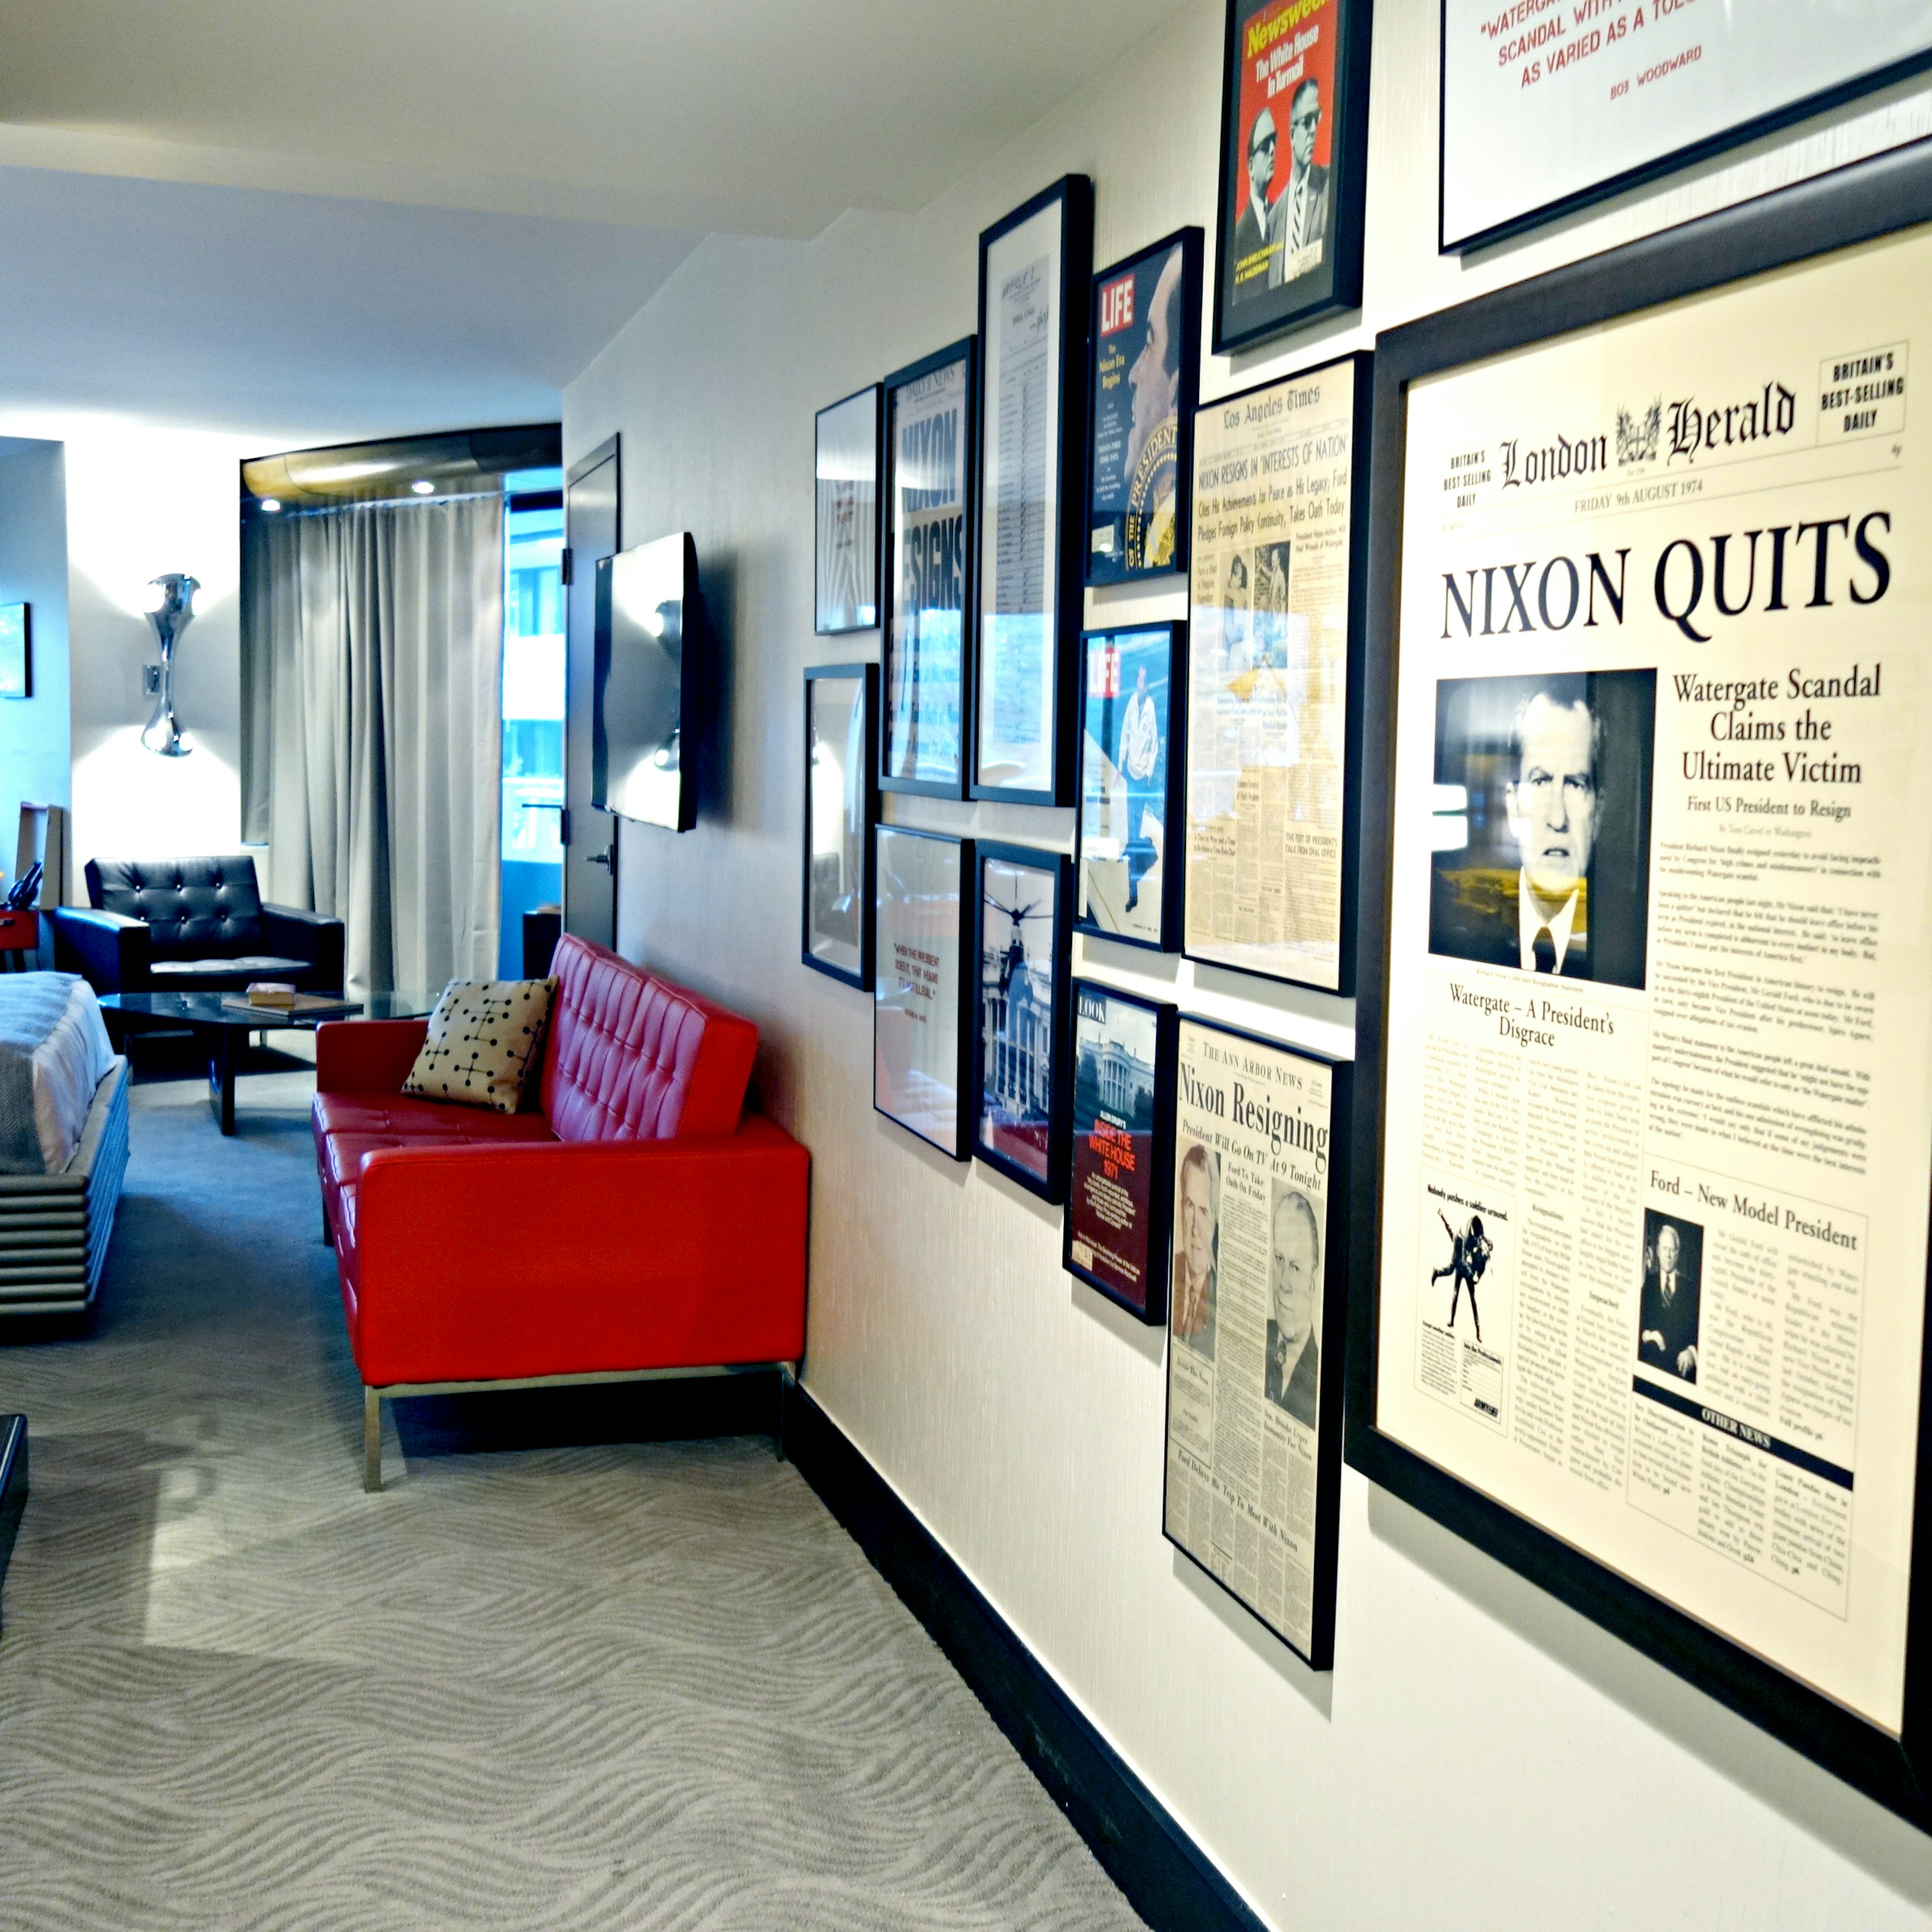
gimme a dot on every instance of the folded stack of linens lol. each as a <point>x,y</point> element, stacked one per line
<point>54,1052</point>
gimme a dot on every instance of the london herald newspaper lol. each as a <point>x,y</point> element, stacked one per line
<point>1656,1146</point>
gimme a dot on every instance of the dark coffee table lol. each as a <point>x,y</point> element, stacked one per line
<point>222,1027</point>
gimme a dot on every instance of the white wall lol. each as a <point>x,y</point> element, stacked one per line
<point>141,502</point>
<point>34,731</point>
<point>1480,1756</point>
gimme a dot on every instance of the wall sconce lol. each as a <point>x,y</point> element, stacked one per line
<point>170,611</point>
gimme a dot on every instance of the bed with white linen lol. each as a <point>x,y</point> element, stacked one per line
<point>63,1143</point>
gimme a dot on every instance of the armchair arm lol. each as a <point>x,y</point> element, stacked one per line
<point>313,936</point>
<point>366,1056</point>
<point>110,952</point>
<point>485,1262</point>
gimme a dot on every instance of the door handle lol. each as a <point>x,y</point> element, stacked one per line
<point>607,858</point>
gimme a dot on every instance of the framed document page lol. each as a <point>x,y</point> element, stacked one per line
<point>840,803</point>
<point>1547,110</point>
<point>1146,359</point>
<point>1133,700</point>
<point>1020,1089</point>
<point>1119,1196</point>
<point>846,467</point>
<point>1294,137</point>
<point>1648,1105</point>
<point>1274,657</point>
<point>928,572</point>
<point>1035,267</point>
<point>921,1068</point>
<point>1254,1403</point>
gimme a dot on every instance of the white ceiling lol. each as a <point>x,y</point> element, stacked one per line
<point>346,217</point>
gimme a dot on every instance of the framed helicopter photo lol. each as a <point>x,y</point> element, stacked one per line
<point>1023,930</point>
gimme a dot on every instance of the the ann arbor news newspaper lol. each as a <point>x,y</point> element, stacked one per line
<point>1250,1240</point>
<point>1657,1120</point>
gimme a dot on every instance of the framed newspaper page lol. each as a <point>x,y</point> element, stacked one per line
<point>841,804</point>
<point>922,1014</point>
<point>1036,270</point>
<point>926,575</point>
<point>1119,1193</point>
<point>1644,1019</point>
<point>1255,1305</point>
<point>845,489</point>
<point>1274,675</point>
<point>1295,144</point>
<point>1547,109</point>
<point>1133,708</point>
<point>1022,934</point>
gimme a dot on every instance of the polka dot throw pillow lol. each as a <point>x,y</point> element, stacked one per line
<point>484,1040</point>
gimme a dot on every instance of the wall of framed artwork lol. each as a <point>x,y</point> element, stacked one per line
<point>1693,1403</point>
<point>1146,331</point>
<point>842,710</point>
<point>1018,1411</point>
<point>845,477</point>
<point>1274,704</point>
<point>1537,122</point>
<point>922,1009</point>
<point>1294,140</point>
<point>1035,265</point>
<point>926,572</point>
<point>1022,917</point>
<point>1120,1200</point>
<point>1133,719</point>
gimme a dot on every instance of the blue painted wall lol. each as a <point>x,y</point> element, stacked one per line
<point>36,732</point>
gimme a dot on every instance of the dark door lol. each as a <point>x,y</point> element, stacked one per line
<point>589,836</point>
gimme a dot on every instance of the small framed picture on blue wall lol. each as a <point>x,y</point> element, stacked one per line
<point>16,651</point>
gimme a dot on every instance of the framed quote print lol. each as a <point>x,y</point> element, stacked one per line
<point>1021,920</point>
<point>1274,675</point>
<point>841,805</point>
<point>1255,1320</point>
<point>1120,1197</point>
<point>1294,138</point>
<point>927,572</point>
<point>1035,267</point>
<point>921,1064</point>
<point>1133,708</point>
<point>1646,1041</point>
<point>1146,330</point>
<point>1544,112</point>
<point>845,468</point>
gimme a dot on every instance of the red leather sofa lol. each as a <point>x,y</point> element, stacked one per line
<point>641,1222</point>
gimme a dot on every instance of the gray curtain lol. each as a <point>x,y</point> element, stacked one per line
<point>372,728</point>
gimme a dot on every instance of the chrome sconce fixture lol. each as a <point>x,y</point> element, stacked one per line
<point>170,611</point>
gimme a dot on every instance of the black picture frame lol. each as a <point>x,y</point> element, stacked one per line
<point>16,650</point>
<point>959,1023</point>
<point>1356,688</point>
<point>1055,1022</point>
<point>1818,217</point>
<point>1337,1235</point>
<point>867,676</point>
<point>955,693</point>
<point>1111,533</point>
<point>1735,135</point>
<point>1241,321</point>
<point>1156,1152</point>
<point>1172,856</point>
<point>860,507</point>
<point>1066,440</point>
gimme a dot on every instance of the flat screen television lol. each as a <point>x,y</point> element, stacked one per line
<point>649,658</point>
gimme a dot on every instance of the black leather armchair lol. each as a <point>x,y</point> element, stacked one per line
<point>182,925</point>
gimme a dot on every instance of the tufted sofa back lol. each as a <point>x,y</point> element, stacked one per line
<point>631,1057</point>
<point>195,908</point>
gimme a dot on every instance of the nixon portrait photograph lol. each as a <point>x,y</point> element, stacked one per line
<point>1541,824</point>
<point>1197,1244</point>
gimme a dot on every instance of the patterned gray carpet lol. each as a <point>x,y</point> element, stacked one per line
<point>634,1685</point>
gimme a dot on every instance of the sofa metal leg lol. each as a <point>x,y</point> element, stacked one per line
<point>372,1440</point>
